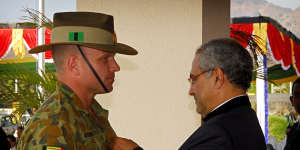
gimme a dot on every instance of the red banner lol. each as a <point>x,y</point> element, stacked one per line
<point>30,37</point>
<point>5,40</point>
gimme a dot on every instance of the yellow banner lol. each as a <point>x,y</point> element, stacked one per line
<point>260,30</point>
<point>18,43</point>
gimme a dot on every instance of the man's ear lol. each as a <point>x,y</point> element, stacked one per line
<point>219,77</point>
<point>72,65</point>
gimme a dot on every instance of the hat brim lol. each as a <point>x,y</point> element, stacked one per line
<point>116,48</point>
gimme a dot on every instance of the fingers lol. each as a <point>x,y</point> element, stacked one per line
<point>119,143</point>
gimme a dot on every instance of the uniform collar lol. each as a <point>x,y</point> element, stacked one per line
<point>74,99</point>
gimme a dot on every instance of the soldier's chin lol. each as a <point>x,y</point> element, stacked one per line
<point>110,89</point>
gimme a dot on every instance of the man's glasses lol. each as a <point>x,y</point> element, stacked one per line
<point>193,78</point>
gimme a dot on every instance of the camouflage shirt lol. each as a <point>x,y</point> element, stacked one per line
<point>62,123</point>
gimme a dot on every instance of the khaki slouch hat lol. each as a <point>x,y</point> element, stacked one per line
<point>90,29</point>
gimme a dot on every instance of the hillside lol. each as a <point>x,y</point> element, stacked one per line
<point>288,18</point>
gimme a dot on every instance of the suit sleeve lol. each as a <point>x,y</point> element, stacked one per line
<point>213,138</point>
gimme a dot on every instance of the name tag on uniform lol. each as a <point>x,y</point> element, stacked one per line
<point>52,148</point>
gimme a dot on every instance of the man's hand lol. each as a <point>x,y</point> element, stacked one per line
<point>122,144</point>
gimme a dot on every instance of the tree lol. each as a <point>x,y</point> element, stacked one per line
<point>18,84</point>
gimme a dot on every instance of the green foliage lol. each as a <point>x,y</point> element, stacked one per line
<point>277,127</point>
<point>25,79</point>
<point>276,88</point>
<point>282,88</point>
<point>26,82</point>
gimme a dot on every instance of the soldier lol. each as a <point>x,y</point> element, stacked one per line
<point>83,46</point>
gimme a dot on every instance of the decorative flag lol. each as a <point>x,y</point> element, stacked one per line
<point>260,30</point>
<point>18,43</point>
<point>282,44</point>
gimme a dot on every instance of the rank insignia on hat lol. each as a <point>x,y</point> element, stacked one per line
<point>75,36</point>
<point>52,148</point>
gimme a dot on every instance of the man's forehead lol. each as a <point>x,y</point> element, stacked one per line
<point>196,58</point>
<point>98,51</point>
<point>195,67</point>
<point>109,53</point>
<point>103,55</point>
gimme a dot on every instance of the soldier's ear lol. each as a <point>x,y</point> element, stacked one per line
<point>72,65</point>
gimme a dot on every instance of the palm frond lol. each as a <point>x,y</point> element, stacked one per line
<point>27,81</point>
<point>33,17</point>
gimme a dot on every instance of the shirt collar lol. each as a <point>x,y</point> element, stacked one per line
<point>227,101</point>
<point>95,106</point>
<point>235,102</point>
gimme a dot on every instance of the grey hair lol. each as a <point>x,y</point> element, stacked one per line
<point>231,57</point>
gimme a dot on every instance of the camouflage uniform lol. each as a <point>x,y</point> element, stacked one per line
<point>63,123</point>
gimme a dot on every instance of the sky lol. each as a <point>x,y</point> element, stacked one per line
<point>286,3</point>
<point>11,10</point>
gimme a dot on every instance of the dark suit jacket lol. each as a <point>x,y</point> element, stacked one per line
<point>293,138</point>
<point>233,126</point>
<point>4,144</point>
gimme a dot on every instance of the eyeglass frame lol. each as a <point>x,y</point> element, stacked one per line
<point>193,78</point>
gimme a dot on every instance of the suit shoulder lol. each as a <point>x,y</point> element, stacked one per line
<point>243,128</point>
<point>208,136</point>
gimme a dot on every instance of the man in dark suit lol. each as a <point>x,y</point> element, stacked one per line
<point>220,76</point>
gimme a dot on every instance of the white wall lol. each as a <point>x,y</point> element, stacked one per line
<point>150,102</point>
